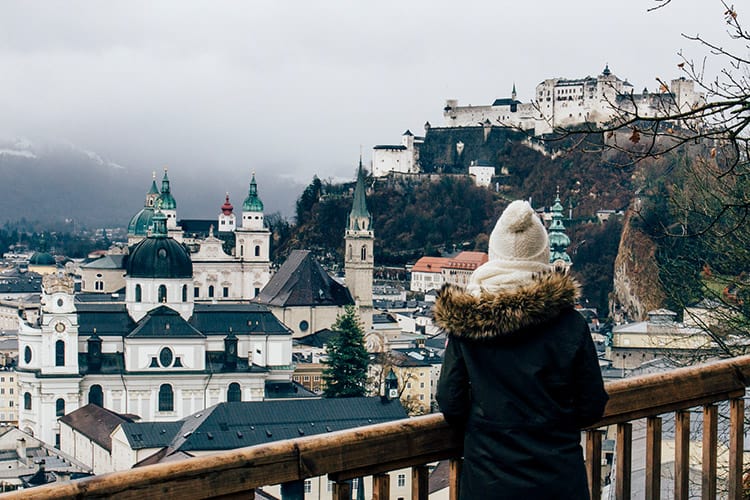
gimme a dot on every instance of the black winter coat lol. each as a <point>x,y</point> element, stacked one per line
<point>521,378</point>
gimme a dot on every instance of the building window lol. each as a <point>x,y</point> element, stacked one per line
<point>138,293</point>
<point>162,293</point>
<point>363,252</point>
<point>234,393</point>
<point>211,291</point>
<point>257,291</point>
<point>166,398</point>
<point>27,354</point>
<point>26,400</point>
<point>303,325</point>
<point>166,357</point>
<point>57,440</point>
<point>401,480</point>
<point>184,293</point>
<point>196,292</point>
<point>60,353</point>
<point>60,407</point>
<point>225,292</point>
<point>96,397</point>
<point>257,250</point>
<point>308,486</point>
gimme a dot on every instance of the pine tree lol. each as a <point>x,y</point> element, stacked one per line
<point>346,373</point>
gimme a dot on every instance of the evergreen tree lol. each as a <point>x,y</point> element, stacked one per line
<point>345,375</point>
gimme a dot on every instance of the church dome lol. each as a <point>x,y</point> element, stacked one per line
<point>160,256</point>
<point>252,202</point>
<point>141,222</point>
<point>42,259</point>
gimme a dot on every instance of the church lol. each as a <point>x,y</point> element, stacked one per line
<point>185,331</point>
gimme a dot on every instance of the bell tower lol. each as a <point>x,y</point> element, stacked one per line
<point>359,242</point>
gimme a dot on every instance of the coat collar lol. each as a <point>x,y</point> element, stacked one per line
<point>494,315</point>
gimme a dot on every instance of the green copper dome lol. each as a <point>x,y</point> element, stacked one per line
<point>42,259</point>
<point>167,200</point>
<point>159,256</point>
<point>359,217</point>
<point>558,240</point>
<point>252,202</point>
<point>141,222</point>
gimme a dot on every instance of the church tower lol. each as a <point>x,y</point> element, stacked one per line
<point>558,240</point>
<point>253,244</point>
<point>227,220</point>
<point>358,252</point>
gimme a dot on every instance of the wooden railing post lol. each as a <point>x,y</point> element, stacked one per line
<point>710,440</point>
<point>736,424</point>
<point>653,458</point>
<point>624,447</point>
<point>381,486</point>
<point>594,462</point>
<point>682,455</point>
<point>420,482</point>
<point>454,477</point>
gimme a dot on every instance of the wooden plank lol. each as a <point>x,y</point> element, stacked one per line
<point>736,421</point>
<point>623,450</point>
<point>653,458</point>
<point>381,486</point>
<point>682,455</point>
<point>454,477</point>
<point>709,453</point>
<point>594,462</point>
<point>342,490</point>
<point>420,476</point>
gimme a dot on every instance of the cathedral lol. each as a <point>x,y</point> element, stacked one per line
<point>184,329</point>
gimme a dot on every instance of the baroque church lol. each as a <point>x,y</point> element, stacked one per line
<point>185,331</point>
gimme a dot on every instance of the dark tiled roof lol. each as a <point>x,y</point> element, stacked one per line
<point>318,339</point>
<point>279,389</point>
<point>164,322</point>
<point>220,319</point>
<point>400,147</point>
<point>107,262</point>
<point>302,282</point>
<point>505,102</point>
<point>108,319</point>
<point>95,422</point>
<point>234,425</point>
<point>142,435</point>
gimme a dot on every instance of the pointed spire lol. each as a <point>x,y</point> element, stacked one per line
<point>252,202</point>
<point>359,217</point>
<point>227,207</point>
<point>154,188</point>
<point>167,200</point>
<point>513,92</point>
<point>558,240</point>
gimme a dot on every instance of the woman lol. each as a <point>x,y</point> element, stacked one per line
<point>520,376</point>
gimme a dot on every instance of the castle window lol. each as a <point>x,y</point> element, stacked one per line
<point>162,293</point>
<point>257,250</point>
<point>234,393</point>
<point>211,291</point>
<point>96,397</point>
<point>184,293</point>
<point>60,353</point>
<point>363,252</point>
<point>138,293</point>
<point>166,398</point>
<point>60,407</point>
<point>26,400</point>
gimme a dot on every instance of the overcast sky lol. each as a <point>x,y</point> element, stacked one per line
<point>293,88</point>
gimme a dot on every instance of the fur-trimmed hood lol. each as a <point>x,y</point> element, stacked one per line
<point>499,314</point>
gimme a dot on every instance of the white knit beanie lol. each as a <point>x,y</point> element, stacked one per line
<point>519,235</point>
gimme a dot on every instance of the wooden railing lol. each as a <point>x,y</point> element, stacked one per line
<point>375,450</point>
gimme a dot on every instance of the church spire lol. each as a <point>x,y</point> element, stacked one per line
<point>558,240</point>
<point>167,200</point>
<point>359,217</point>
<point>513,92</point>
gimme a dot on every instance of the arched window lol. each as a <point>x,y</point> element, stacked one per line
<point>138,293</point>
<point>211,291</point>
<point>363,252</point>
<point>26,400</point>
<point>60,353</point>
<point>162,293</point>
<point>184,293</point>
<point>257,250</point>
<point>349,252</point>
<point>96,397</point>
<point>166,398</point>
<point>234,393</point>
<point>60,407</point>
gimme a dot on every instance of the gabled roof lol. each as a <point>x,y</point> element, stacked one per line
<point>430,264</point>
<point>300,281</point>
<point>220,319</point>
<point>318,339</point>
<point>107,262</point>
<point>164,322</point>
<point>96,423</point>
<point>142,435</point>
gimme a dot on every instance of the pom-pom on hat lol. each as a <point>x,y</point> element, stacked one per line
<point>519,235</point>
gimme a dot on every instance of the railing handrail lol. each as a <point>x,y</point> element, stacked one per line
<point>381,447</point>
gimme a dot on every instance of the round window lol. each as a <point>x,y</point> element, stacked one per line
<point>60,302</point>
<point>304,325</point>
<point>27,354</point>
<point>166,357</point>
<point>162,253</point>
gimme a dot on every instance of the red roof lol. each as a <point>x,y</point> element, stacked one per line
<point>430,264</point>
<point>467,260</point>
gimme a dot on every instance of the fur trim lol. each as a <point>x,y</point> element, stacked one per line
<point>494,315</point>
